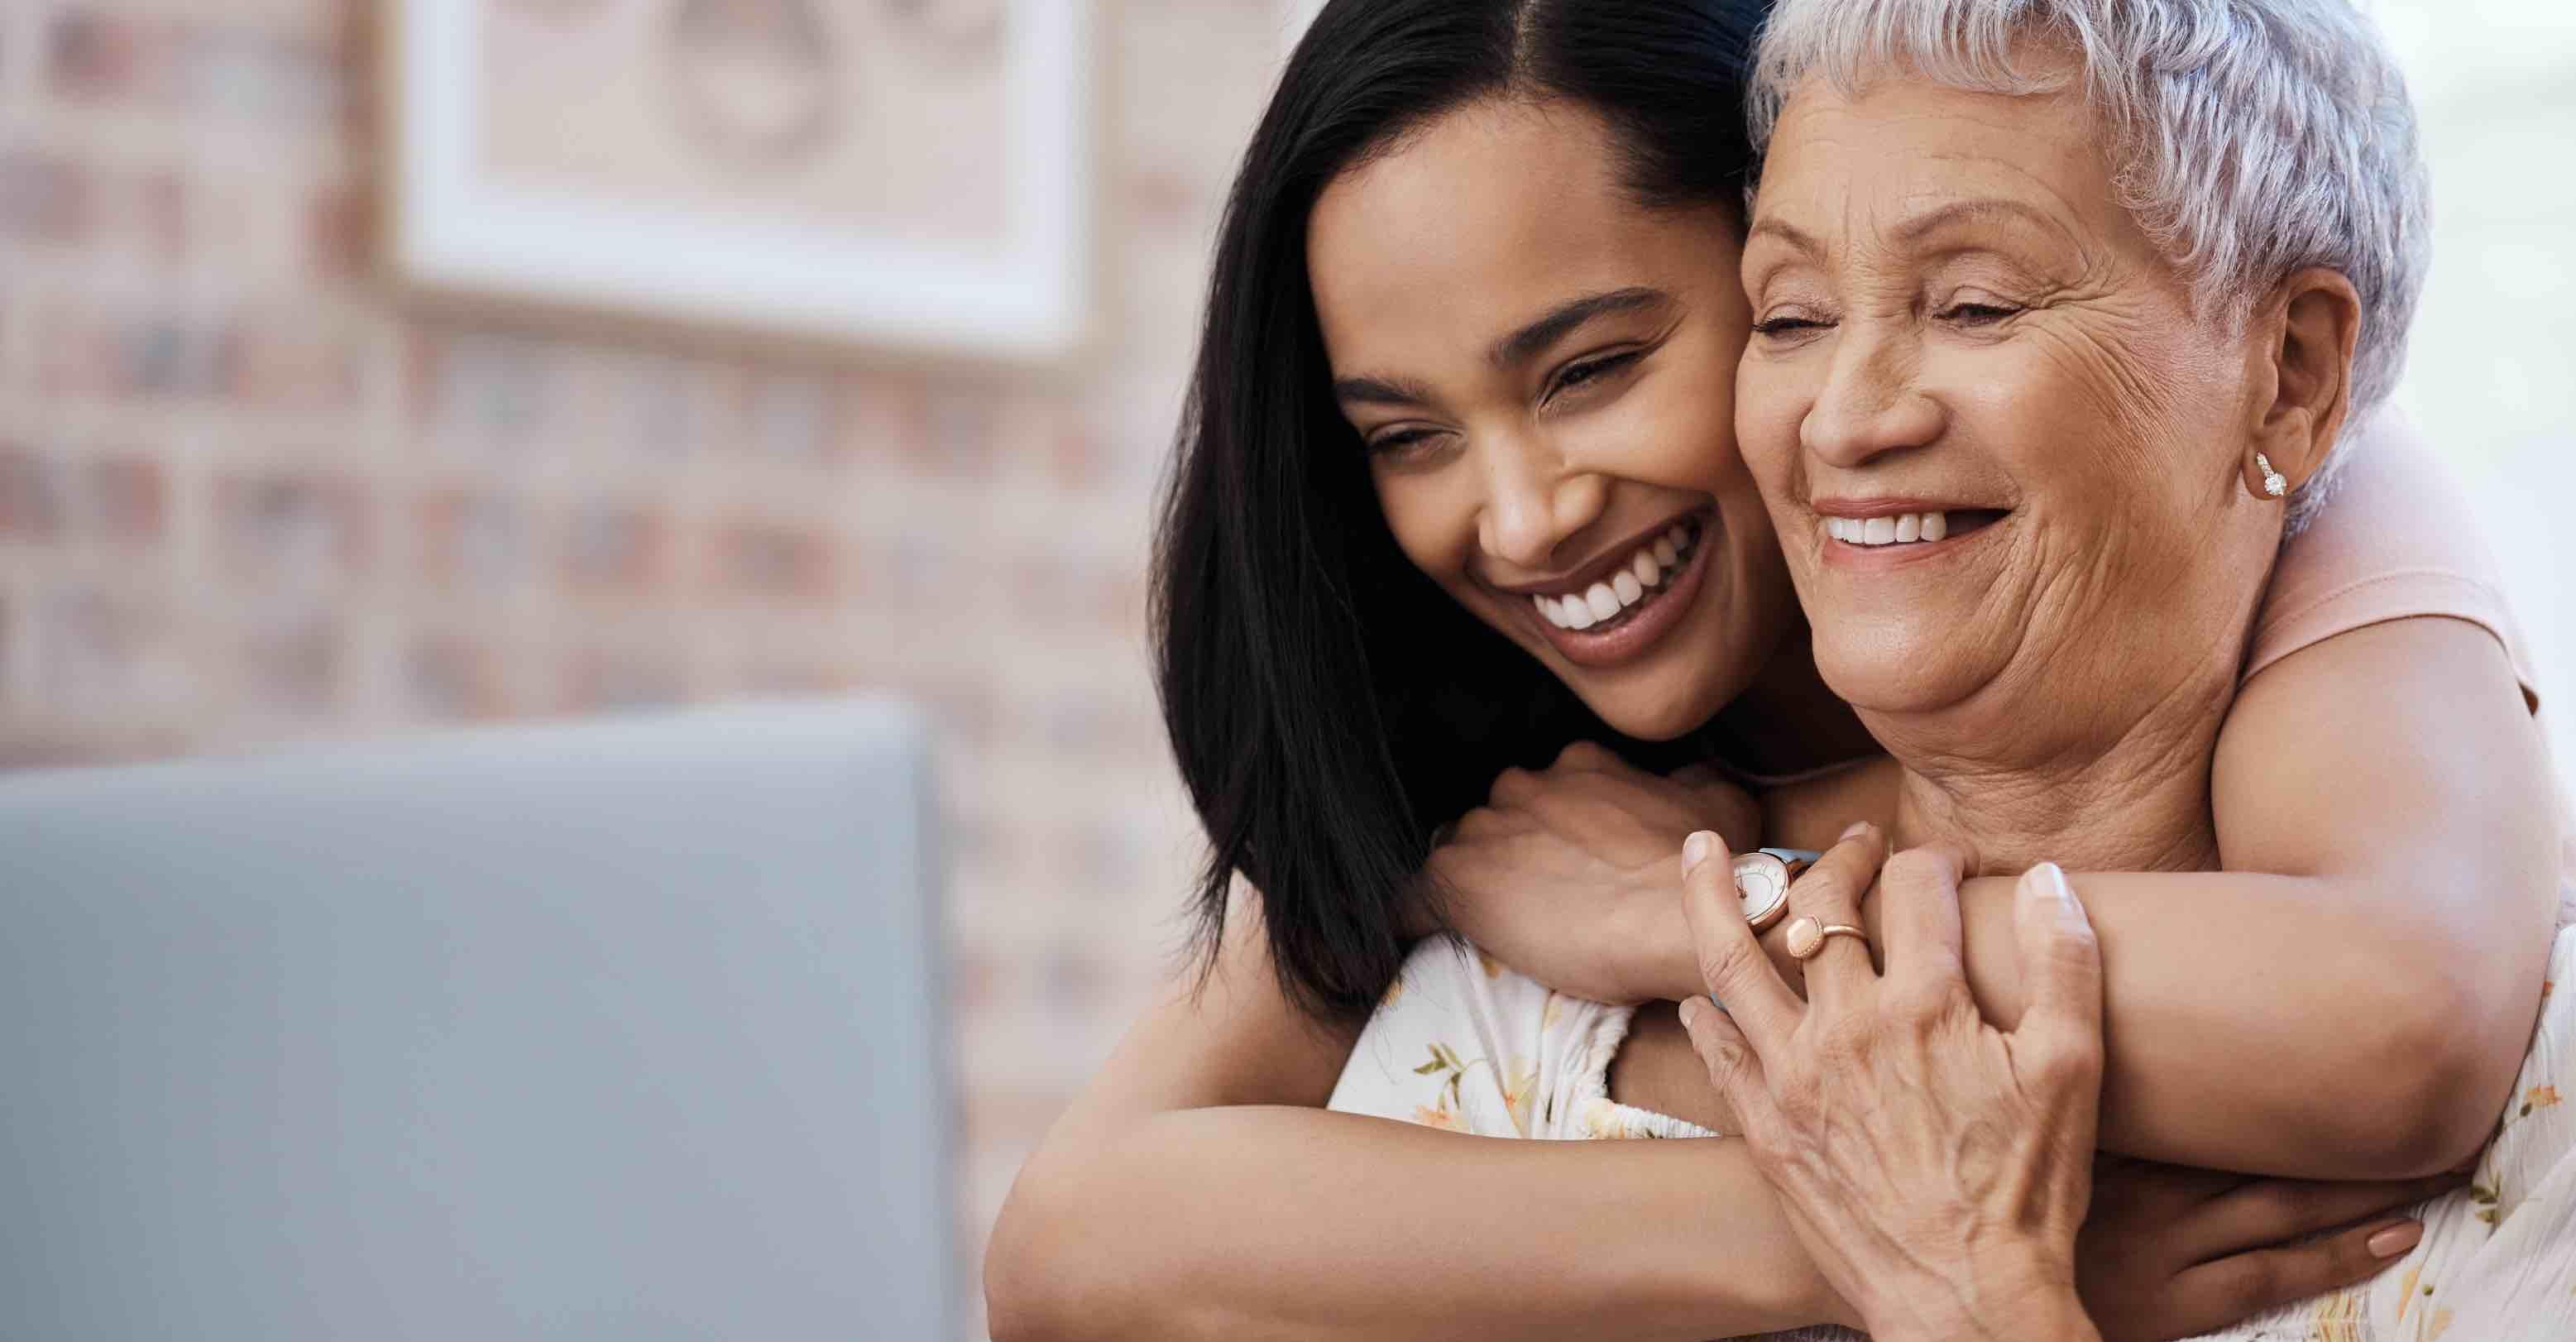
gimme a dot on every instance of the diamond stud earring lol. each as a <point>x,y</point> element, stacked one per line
<point>2273,483</point>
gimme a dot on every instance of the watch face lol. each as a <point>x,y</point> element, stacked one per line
<point>1762,883</point>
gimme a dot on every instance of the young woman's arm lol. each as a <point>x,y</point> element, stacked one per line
<point>1149,1212</point>
<point>2350,999</point>
<point>2353,996</point>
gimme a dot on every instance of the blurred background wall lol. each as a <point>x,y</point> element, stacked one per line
<point>248,493</point>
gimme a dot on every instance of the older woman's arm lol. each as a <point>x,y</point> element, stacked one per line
<point>1152,1212</point>
<point>2353,996</point>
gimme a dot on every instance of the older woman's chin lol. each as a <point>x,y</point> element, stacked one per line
<point>1879,663</point>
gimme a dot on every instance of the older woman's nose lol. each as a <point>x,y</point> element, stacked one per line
<point>1534,501</point>
<point>1868,405</point>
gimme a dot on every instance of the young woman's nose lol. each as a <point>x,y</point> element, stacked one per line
<point>1869,404</point>
<point>1535,500</point>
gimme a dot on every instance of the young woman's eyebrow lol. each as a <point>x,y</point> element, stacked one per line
<point>1378,391</point>
<point>1565,317</point>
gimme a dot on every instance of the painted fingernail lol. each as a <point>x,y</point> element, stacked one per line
<point>1695,848</point>
<point>1856,829</point>
<point>2394,1240</point>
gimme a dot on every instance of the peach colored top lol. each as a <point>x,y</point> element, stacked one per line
<point>2397,540</point>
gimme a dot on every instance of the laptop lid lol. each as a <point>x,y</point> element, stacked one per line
<point>623,1029</point>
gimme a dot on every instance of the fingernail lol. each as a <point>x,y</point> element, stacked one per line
<point>2394,1240</point>
<point>2049,881</point>
<point>1695,848</point>
<point>1690,1010</point>
<point>1856,829</point>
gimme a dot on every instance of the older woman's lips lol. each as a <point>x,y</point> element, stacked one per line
<point>1621,617</point>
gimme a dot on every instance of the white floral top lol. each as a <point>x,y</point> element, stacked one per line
<point>1464,1043</point>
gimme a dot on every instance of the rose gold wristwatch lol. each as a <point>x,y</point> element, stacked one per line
<point>1762,882</point>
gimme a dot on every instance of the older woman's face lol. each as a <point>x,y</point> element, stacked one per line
<point>1541,372</point>
<point>1999,448</point>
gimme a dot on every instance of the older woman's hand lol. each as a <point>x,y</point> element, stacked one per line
<point>1936,1168</point>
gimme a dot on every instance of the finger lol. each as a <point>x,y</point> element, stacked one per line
<point>1588,755</point>
<point>1829,892</point>
<point>1733,1066</point>
<point>1918,900</point>
<point>2266,1212</point>
<point>2063,966</point>
<point>1731,962</point>
<point>2216,1294</point>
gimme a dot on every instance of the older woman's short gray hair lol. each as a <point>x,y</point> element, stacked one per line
<point>2254,137</point>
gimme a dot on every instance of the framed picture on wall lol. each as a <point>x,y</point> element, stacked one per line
<point>911,174</point>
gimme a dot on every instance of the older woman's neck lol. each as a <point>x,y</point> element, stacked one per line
<point>2083,796</point>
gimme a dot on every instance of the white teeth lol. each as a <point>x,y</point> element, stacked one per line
<point>1604,602</point>
<point>1902,529</point>
<point>1647,569</point>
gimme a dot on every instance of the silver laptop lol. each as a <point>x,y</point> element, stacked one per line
<point>622,1030</point>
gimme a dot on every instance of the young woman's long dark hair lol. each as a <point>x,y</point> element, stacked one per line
<point>1329,704</point>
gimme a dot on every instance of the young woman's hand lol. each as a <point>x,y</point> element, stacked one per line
<point>2169,1252</point>
<point>1567,874</point>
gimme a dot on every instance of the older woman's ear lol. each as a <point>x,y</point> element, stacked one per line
<point>2301,343</point>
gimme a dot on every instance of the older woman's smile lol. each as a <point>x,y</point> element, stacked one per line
<point>1884,531</point>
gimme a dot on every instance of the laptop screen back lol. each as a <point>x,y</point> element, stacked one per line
<point>617,1030</point>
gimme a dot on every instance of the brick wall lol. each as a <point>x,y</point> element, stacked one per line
<point>246,494</point>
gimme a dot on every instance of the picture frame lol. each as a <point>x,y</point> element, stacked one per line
<point>571,188</point>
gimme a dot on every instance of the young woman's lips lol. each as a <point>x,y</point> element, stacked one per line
<point>1637,632</point>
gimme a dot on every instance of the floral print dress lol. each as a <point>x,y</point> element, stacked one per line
<point>1464,1043</point>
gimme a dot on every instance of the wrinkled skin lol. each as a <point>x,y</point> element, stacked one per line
<point>1952,306</point>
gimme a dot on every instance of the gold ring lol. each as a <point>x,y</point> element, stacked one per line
<point>1807,936</point>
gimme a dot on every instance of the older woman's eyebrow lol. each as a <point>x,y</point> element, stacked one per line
<point>1980,209</point>
<point>1786,233</point>
<point>1565,317</point>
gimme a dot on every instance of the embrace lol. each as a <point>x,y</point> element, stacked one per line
<point>1945,438</point>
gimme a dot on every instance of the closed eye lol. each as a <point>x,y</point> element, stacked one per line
<point>1977,314</point>
<point>1593,370</point>
<point>1787,326</point>
<point>1400,443</point>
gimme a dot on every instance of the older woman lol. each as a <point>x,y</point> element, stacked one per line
<point>2114,371</point>
<point>1510,281</point>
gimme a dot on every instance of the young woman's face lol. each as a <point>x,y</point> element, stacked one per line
<point>1542,373</point>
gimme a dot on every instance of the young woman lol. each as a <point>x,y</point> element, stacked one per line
<point>1565,184</point>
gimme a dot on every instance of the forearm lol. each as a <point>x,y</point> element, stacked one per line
<point>2313,1027</point>
<point>2011,1298</point>
<point>2281,1025</point>
<point>1276,1222</point>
